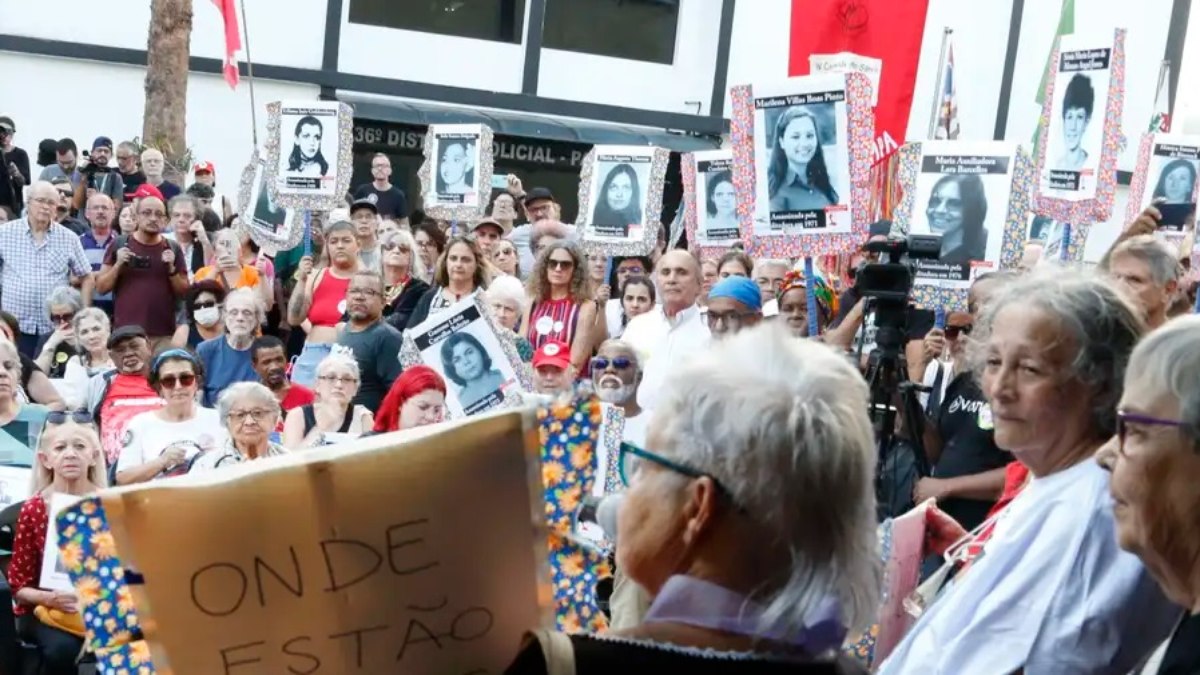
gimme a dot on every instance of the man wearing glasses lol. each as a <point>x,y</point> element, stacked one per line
<point>733,304</point>
<point>145,273</point>
<point>616,375</point>
<point>375,343</point>
<point>36,256</point>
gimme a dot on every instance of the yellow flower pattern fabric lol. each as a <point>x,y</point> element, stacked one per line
<point>569,433</point>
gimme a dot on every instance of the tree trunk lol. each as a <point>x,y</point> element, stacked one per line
<point>165,119</point>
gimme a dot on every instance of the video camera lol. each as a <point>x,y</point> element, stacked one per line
<point>889,282</point>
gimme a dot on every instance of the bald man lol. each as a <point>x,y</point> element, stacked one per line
<point>670,333</point>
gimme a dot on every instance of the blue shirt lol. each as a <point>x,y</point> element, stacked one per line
<point>94,250</point>
<point>223,366</point>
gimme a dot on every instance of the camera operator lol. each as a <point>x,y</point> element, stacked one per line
<point>14,166</point>
<point>98,176</point>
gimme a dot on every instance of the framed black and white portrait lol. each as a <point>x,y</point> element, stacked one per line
<point>620,198</point>
<point>801,157</point>
<point>716,222</point>
<point>457,174</point>
<point>480,363</point>
<point>1074,137</point>
<point>309,153</point>
<point>1166,177</point>
<point>271,226</point>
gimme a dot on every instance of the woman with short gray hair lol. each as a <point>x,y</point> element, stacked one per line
<point>1051,591</point>
<point>750,517</point>
<point>250,413</point>
<point>1154,468</point>
<point>92,328</point>
<point>62,305</point>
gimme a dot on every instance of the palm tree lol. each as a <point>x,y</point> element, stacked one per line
<point>164,123</point>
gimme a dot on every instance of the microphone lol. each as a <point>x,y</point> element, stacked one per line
<point>606,515</point>
<point>597,518</point>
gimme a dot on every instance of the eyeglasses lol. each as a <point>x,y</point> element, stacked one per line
<point>730,319</point>
<point>560,264</point>
<point>391,246</point>
<point>61,417</point>
<point>258,415</point>
<point>630,461</point>
<point>66,193</point>
<point>181,380</point>
<point>340,379</point>
<point>424,244</point>
<point>62,318</point>
<point>158,215</point>
<point>952,332</point>
<point>363,291</point>
<point>204,304</point>
<point>1124,419</point>
<point>620,363</point>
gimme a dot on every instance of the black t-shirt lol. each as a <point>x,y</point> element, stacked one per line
<point>21,159</point>
<point>132,181</point>
<point>1183,652</point>
<point>968,445</point>
<point>28,368</point>
<point>391,202</point>
<point>58,363</point>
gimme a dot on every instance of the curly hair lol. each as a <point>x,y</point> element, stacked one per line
<point>539,284</point>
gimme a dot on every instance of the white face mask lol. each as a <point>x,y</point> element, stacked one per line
<point>208,316</point>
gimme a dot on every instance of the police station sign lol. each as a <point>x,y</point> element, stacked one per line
<point>408,139</point>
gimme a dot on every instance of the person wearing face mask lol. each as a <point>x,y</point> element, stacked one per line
<point>417,398</point>
<point>616,375</point>
<point>202,305</point>
<point>227,359</point>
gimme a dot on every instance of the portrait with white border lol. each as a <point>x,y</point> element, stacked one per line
<point>1166,177</point>
<point>456,160</point>
<point>309,148</point>
<point>1075,138</point>
<point>717,221</point>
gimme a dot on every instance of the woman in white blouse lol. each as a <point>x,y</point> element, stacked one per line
<point>91,336</point>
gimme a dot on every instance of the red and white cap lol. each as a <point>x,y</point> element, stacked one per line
<point>553,353</point>
<point>204,167</point>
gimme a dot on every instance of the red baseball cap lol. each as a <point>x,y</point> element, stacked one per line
<point>205,167</point>
<point>553,353</point>
<point>147,190</point>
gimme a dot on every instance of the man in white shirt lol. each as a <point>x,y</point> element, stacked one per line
<point>616,374</point>
<point>669,334</point>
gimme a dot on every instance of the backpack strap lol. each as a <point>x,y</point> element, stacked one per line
<point>557,650</point>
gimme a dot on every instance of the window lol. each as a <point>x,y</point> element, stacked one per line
<point>497,20</point>
<point>642,30</point>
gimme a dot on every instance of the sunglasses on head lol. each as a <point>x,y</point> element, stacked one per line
<point>61,417</point>
<point>173,381</point>
<point>601,363</point>
<point>953,332</point>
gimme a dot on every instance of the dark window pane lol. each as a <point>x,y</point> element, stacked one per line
<point>498,20</point>
<point>642,30</point>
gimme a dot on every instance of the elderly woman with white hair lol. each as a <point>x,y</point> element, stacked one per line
<point>331,418</point>
<point>62,305</point>
<point>92,328</point>
<point>249,412</point>
<point>1051,591</point>
<point>403,277</point>
<point>508,301</point>
<point>750,517</point>
<point>1154,462</point>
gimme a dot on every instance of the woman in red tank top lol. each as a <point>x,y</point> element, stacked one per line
<point>319,300</point>
<point>561,308</point>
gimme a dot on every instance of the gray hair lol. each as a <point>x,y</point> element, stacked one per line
<point>251,295</point>
<point>241,391</point>
<point>64,295</point>
<point>507,288</point>
<point>782,424</point>
<point>416,268</point>
<point>184,198</point>
<point>338,359</point>
<point>769,262</point>
<point>1093,316</point>
<point>1168,362</point>
<point>1156,254</point>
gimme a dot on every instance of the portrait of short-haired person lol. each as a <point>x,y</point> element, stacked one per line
<point>797,178</point>
<point>1078,101</point>
<point>306,158</point>
<point>468,365</point>
<point>956,210</point>
<point>620,198</point>
<point>721,201</point>
<point>456,166</point>
<point>1176,183</point>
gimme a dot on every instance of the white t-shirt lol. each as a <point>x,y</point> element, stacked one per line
<point>147,437</point>
<point>635,429</point>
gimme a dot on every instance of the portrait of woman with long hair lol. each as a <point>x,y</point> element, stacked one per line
<point>956,210</point>
<point>306,158</point>
<point>1176,183</point>
<point>797,177</point>
<point>619,201</point>
<point>456,166</point>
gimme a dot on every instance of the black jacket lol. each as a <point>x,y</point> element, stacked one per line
<point>421,311</point>
<point>404,306</point>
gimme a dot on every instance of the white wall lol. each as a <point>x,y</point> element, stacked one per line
<point>218,119</point>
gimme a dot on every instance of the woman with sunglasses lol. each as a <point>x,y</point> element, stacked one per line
<point>1154,468</point>
<point>561,309</point>
<point>331,418</point>
<point>403,277</point>
<point>749,517</point>
<point>506,259</point>
<point>202,304</point>
<point>249,413</point>
<point>70,462</point>
<point>161,443</point>
<point>92,329</point>
<point>1051,590</point>
<point>20,422</point>
<point>63,304</point>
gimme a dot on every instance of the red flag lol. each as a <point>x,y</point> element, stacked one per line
<point>233,39</point>
<point>890,30</point>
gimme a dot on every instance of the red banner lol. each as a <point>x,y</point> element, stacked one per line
<point>890,30</point>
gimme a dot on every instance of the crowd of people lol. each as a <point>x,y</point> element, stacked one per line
<point>145,335</point>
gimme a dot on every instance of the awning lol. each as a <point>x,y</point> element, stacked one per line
<point>524,124</point>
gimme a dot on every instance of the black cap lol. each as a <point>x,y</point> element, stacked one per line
<point>539,193</point>
<point>364,203</point>
<point>124,333</point>
<point>7,123</point>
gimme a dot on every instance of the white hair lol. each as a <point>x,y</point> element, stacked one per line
<point>253,298</point>
<point>64,296</point>
<point>783,425</point>
<point>763,264</point>
<point>337,359</point>
<point>416,267</point>
<point>1167,362</point>
<point>244,390</point>
<point>506,288</point>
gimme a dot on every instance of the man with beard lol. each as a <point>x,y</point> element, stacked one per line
<point>616,375</point>
<point>226,358</point>
<point>98,176</point>
<point>375,343</point>
<point>552,371</point>
<point>269,358</point>
<point>733,304</point>
<point>127,164</point>
<point>117,396</point>
<point>146,274</point>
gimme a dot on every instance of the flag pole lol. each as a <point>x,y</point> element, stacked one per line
<point>250,76</point>
<point>937,87</point>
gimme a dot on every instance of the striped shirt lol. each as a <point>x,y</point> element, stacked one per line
<point>32,269</point>
<point>553,320</point>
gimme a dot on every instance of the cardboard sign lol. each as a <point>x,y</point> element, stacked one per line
<point>418,552</point>
<point>53,574</point>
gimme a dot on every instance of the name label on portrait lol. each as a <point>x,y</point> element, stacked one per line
<point>1066,180</point>
<point>962,164</point>
<point>800,99</point>
<point>1176,151</point>
<point>1086,59</point>
<point>447,328</point>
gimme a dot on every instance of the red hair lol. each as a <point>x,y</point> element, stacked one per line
<point>412,381</point>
